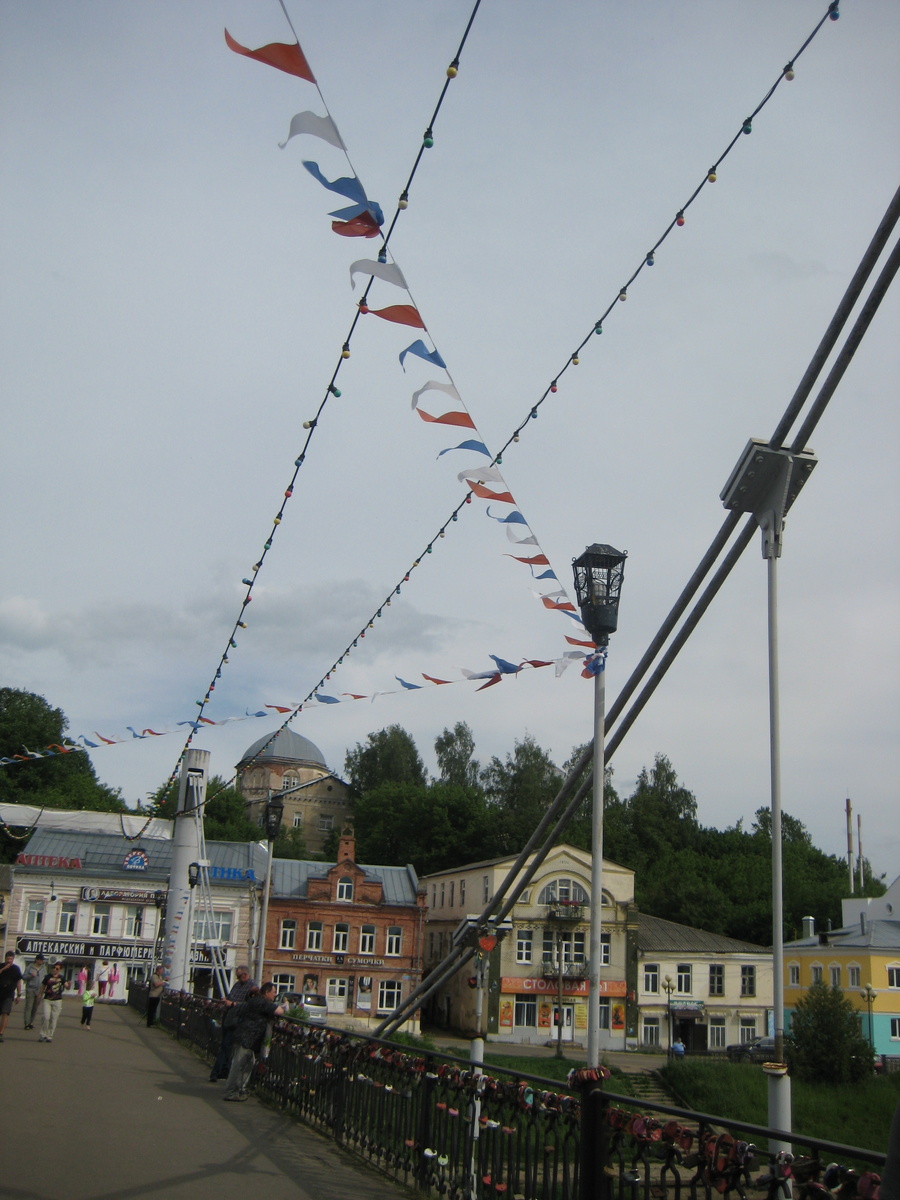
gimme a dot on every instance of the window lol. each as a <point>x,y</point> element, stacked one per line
<point>716,979</point>
<point>651,1031</point>
<point>100,922</point>
<point>285,982</point>
<point>523,945</point>
<point>389,994</point>
<point>462,891</point>
<point>572,945</point>
<point>430,945</point>
<point>683,984</point>
<point>341,937</point>
<point>452,886</point>
<point>853,977</point>
<point>134,920</point>
<point>748,1030</point>
<point>394,940</point>
<point>68,911</point>
<point>526,1012</point>
<point>604,1014</point>
<point>748,981</point>
<point>367,939</point>
<point>214,929</point>
<point>288,939</point>
<point>298,822</point>
<point>893,977</point>
<point>35,918</point>
<point>290,781</point>
<point>434,895</point>
<point>651,978</point>
<point>326,822</point>
<point>717,1033</point>
<point>443,893</point>
<point>605,948</point>
<point>816,974</point>
<point>314,935</point>
<point>895,1029</point>
<point>834,974</point>
<point>486,888</point>
<point>794,974</point>
<point>563,891</point>
<point>345,888</point>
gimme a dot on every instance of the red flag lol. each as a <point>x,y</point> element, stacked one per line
<point>431,679</point>
<point>284,56</point>
<point>450,418</point>
<point>537,662</point>
<point>548,603</point>
<point>354,696</point>
<point>486,494</point>
<point>363,225</point>
<point>575,642</point>
<point>490,683</point>
<point>403,314</point>
<point>278,708</point>
<point>539,560</point>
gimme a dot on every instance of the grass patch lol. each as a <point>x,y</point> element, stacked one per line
<point>857,1114</point>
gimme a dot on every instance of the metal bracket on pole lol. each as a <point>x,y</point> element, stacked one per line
<point>765,482</point>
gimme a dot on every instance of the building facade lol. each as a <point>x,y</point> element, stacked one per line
<point>88,898</point>
<point>350,932</point>
<point>709,990</point>
<point>538,972</point>
<point>862,959</point>
<point>316,801</point>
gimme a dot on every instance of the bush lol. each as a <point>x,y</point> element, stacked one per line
<point>827,1043</point>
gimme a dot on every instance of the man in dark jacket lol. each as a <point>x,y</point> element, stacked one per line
<point>239,992</point>
<point>253,1021</point>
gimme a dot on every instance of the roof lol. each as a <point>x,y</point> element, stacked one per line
<point>562,847</point>
<point>290,878</point>
<point>104,855</point>
<point>879,935</point>
<point>656,935</point>
<point>29,815</point>
<point>286,745</point>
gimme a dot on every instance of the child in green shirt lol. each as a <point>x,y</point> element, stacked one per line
<point>87,1002</point>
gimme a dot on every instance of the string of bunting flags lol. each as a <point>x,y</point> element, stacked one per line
<point>368,218</point>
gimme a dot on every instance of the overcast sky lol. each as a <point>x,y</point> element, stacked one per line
<point>174,304</point>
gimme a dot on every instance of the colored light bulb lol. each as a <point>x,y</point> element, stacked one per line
<point>363,307</point>
<point>334,391</point>
<point>345,350</point>
<point>650,259</point>
<point>404,200</point>
<point>623,294</point>
<point>598,328</point>
<point>453,69</point>
<point>575,360</point>
<point>789,72</point>
<point>747,126</point>
<point>382,255</point>
<point>679,218</point>
<point>553,386</point>
<point>428,139</point>
<point>711,177</point>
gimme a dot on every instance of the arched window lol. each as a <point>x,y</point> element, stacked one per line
<point>563,891</point>
<point>345,888</point>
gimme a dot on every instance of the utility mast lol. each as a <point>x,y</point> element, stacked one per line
<point>185,854</point>
<point>850,844</point>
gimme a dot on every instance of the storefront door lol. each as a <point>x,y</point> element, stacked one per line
<point>337,995</point>
<point>568,1011</point>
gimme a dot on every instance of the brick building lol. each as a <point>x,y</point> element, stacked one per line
<point>350,932</point>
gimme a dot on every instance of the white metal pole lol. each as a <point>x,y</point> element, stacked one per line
<point>261,940</point>
<point>185,850</point>
<point>593,1053</point>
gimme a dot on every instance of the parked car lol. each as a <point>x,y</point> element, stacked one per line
<point>313,1005</point>
<point>758,1051</point>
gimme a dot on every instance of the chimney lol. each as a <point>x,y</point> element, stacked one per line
<point>346,847</point>
<point>809,926</point>
<point>863,924</point>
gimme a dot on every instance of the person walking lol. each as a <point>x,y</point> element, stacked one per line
<point>87,1006</point>
<point>33,978</point>
<point>101,978</point>
<point>51,994</point>
<point>239,992</point>
<point>255,1015</point>
<point>10,988</point>
<point>154,994</point>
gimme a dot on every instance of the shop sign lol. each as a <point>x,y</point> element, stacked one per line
<point>49,860</point>
<point>231,873</point>
<point>571,987</point>
<point>112,951</point>
<point>136,860</point>
<point>125,897</point>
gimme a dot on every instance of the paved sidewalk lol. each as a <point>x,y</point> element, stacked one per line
<point>126,1112</point>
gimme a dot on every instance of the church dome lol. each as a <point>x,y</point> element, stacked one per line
<point>285,745</point>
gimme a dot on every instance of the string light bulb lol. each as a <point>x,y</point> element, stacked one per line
<point>679,218</point>
<point>650,259</point>
<point>404,200</point>
<point>309,424</point>
<point>598,328</point>
<point>363,307</point>
<point>789,72</point>
<point>428,139</point>
<point>553,388</point>
<point>711,175</point>
<point>345,350</point>
<point>747,126</point>
<point>575,360</point>
<point>623,294</point>
<point>382,255</point>
<point>453,69</point>
<point>335,391</point>
<point>515,437</point>
<point>833,10</point>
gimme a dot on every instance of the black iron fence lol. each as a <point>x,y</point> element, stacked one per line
<point>435,1124</point>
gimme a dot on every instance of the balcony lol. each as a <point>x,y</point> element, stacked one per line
<point>570,970</point>
<point>565,910</point>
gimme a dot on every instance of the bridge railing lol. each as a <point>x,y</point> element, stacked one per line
<point>433,1123</point>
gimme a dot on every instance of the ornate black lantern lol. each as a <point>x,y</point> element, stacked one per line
<point>193,874</point>
<point>273,817</point>
<point>598,585</point>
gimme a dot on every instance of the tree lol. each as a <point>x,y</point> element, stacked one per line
<point>827,1043</point>
<point>67,780</point>
<point>455,756</point>
<point>225,814</point>
<point>519,791</point>
<point>388,756</point>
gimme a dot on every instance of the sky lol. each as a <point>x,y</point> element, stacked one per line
<point>174,304</point>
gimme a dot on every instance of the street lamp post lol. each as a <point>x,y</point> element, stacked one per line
<point>272,819</point>
<point>868,994</point>
<point>669,988</point>
<point>598,585</point>
<point>765,482</point>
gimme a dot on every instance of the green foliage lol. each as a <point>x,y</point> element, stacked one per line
<point>519,791</point>
<point>290,843</point>
<point>828,1045</point>
<point>455,756</point>
<point>225,818</point>
<point>388,756</point>
<point>27,721</point>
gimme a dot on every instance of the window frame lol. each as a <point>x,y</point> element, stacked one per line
<point>748,980</point>
<point>68,908</point>
<point>340,942</point>
<point>34,915</point>
<point>315,932</point>
<point>651,972</point>
<point>100,919</point>
<point>684,979</point>
<point>717,979</point>
<point>393,941</point>
<point>345,889</point>
<point>524,946</point>
<point>367,935</point>
<point>287,934</point>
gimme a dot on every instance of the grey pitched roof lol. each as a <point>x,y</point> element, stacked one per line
<point>104,854</point>
<point>285,745</point>
<point>290,878</point>
<point>879,935</point>
<point>656,935</point>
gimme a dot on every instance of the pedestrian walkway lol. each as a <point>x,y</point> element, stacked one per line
<point>124,1112</point>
